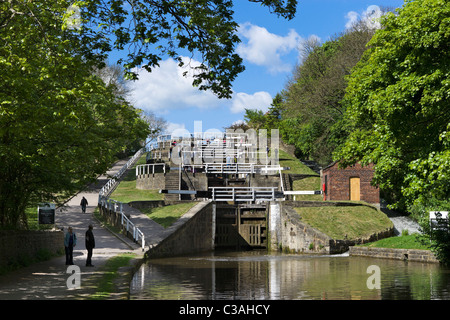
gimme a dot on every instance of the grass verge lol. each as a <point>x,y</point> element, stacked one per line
<point>296,167</point>
<point>167,215</point>
<point>126,191</point>
<point>345,222</point>
<point>105,285</point>
<point>411,241</point>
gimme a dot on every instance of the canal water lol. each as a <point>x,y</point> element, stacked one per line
<point>259,275</point>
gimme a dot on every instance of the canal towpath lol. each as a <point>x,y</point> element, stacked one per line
<point>48,279</point>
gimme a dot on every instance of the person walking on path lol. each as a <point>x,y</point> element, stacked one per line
<point>70,241</point>
<point>83,204</point>
<point>90,245</point>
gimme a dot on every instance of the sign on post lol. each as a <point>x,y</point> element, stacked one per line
<point>46,213</point>
<point>439,220</point>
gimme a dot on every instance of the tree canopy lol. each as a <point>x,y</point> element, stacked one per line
<point>61,121</point>
<point>147,31</point>
<point>309,112</point>
<point>398,104</point>
<point>60,124</point>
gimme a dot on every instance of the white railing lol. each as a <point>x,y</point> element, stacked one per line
<point>105,203</point>
<point>117,207</point>
<point>241,168</point>
<point>149,169</point>
<point>114,181</point>
<point>243,194</point>
<point>237,168</point>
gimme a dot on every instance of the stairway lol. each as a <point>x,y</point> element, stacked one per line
<point>287,185</point>
<point>172,183</point>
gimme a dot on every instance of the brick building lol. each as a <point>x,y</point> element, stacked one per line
<point>352,183</point>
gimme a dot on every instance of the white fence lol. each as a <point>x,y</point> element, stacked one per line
<point>243,194</point>
<point>114,181</point>
<point>116,207</point>
<point>150,169</point>
<point>113,206</point>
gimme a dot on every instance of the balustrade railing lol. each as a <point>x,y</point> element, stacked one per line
<point>243,194</point>
<point>114,206</point>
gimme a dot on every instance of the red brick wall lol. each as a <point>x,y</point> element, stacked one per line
<point>338,183</point>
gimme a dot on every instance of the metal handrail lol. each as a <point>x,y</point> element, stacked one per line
<point>113,182</point>
<point>105,202</point>
<point>243,193</point>
<point>117,207</point>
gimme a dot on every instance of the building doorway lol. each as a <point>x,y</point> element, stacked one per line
<point>354,189</point>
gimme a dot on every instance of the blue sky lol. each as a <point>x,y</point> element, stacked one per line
<point>269,48</point>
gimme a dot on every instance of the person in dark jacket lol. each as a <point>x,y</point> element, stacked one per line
<point>83,204</point>
<point>90,245</point>
<point>70,241</point>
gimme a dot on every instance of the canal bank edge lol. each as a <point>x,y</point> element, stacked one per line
<point>397,254</point>
<point>289,234</point>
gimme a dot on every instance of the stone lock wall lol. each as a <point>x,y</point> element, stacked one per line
<point>398,254</point>
<point>192,233</point>
<point>150,181</point>
<point>289,233</point>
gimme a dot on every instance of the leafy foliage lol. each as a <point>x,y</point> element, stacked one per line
<point>310,109</point>
<point>60,125</point>
<point>398,104</point>
<point>149,30</point>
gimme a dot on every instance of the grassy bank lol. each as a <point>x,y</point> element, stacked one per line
<point>345,222</point>
<point>411,241</point>
<point>107,284</point>
<point>167,215</point>
<point>126,191</point>
<point>295,166</point>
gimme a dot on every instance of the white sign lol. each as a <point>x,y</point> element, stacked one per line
<point>443,214</point>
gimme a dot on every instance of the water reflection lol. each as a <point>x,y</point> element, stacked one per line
<point>258,275</point>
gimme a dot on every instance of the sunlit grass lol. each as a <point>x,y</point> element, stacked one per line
<point>167,215</point>
<point>411,241</point>
<point>126,191</point>
<point>105,284</point>
<point>350,222</point>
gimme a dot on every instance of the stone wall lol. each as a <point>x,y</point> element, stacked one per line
<point>398,254</point>
<point>290,234</point>
<point>18,247</point>
<point>192,233</point>
<point>263,180</point>
<point>150,181</point>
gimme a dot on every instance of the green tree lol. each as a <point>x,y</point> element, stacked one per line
<point>313,113</point>
<point>60,124</point>
<point>257,119</point>
<point>398,102</point>
<point>150,30</point>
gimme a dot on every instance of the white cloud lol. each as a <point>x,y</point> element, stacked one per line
<point>166,88</point>
<point>370,17</point>
<point>352,18</point>
<point>259,100</point>
<point>175,127</point>
<point>266,49</point>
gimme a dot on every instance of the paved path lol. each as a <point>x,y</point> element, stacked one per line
<point>48,280</point>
